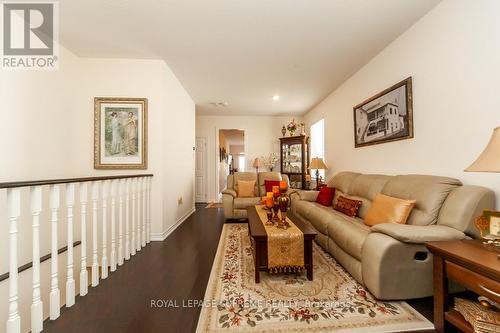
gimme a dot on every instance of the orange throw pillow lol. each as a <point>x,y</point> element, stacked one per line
<point>246,188</point>
<point>386,209</point>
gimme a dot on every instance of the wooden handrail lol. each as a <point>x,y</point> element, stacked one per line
<point>46,257</point>
<point>27,183</point>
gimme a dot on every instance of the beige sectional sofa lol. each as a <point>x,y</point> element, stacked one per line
<point>391,259</point>
<point>235,207</point>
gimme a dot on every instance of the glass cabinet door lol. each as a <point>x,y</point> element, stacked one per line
<point>292,158</point>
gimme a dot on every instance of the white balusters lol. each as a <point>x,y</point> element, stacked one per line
<point>112,255</point>
<point>104,259</point>
<point>127,219</point>
<point>120,222</point>
<point>36,305</point>
<point>14,211</point>
<point>54,280</point>
<point>84,280</point>
<point>70,281</point>
<point>148,210</point>
<point>95,258</point>
<point>143,235</point>
<point>131,234</point>
<point>134,195</point>
<point>138,216</point>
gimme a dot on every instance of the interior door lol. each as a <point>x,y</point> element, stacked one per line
<point>201,170</point>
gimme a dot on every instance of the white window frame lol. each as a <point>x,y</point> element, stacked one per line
<point>317,131</point>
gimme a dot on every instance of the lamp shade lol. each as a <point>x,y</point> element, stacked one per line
<point>318,164</point>
<point>489,160</point>
<point>257,163</point>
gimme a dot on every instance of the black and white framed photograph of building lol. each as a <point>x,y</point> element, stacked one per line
<point>385,117</point>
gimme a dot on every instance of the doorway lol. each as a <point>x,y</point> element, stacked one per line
<point>201,171</point>
<point>231,156</point>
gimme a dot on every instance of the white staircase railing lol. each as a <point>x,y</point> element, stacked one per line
<point>130,228</point>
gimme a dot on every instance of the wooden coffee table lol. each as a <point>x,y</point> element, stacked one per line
<point>258,237</point>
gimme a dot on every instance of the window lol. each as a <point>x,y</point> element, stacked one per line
<point>318,143</point>
<point>241,163</point>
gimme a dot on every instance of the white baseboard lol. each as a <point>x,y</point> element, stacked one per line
<point>161,236</point>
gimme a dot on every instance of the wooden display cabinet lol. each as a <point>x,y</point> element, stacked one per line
<point>294,159</point>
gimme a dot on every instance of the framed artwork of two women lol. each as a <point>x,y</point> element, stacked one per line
<point>120,133</point>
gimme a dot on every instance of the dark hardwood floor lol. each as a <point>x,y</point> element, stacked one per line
<point>175,270</point>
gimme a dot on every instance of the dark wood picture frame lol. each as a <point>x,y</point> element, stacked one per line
<point>404,126</point>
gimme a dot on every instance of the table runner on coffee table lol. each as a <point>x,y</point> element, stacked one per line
<point>285,248</point>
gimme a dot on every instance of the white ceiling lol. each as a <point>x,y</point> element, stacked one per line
<point>243,51</point>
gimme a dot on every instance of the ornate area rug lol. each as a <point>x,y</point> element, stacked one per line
<point>333,302</point>
<point>215,205</point>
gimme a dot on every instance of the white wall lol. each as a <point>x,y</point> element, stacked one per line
<point>47,132</point>
<point>261,138</point>
<point>453,55</point>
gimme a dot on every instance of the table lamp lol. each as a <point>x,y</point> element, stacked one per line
<point>489,160</point>
<point>318,164</point>
<point>257,164</point>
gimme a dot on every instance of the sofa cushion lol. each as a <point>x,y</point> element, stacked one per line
<point>349,233</point>
<point>429,192</point>
<point>243,176</point>
<point>325,196</point>
<point>269,184</point>
<point>246,188</point>
<point>386,209</point>
<point>262,177</point>
<point>318,215</point>
<point>347,206</point>
<point>343,181</point>
<point>368,186</point>
<point>241,203</point>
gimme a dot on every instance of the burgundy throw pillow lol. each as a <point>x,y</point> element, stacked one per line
<point>325,196</point>
<point>268,184</point>
<point>347,206</point>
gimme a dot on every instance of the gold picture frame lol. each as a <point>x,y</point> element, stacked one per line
<point>120,133</point>
<point>488,224</point>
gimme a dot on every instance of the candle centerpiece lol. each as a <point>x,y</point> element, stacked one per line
<point>283,202</point>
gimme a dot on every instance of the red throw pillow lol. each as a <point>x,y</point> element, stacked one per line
<point>347,206</point>
<point>325,196</point>
<point>268,184</point>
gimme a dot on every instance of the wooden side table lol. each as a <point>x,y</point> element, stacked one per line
<point>468,263</point>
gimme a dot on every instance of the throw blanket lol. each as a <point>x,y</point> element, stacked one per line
<point>285,248</point>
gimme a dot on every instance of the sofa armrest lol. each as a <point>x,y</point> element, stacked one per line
<point>230,192</point>
<point>308,195</point>
<point>417,234</point>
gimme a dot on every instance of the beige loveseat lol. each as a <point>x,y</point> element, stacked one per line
<point>235,207</point>
<point>391,259</point>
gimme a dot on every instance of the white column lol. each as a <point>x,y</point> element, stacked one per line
<point>54,280</point>
<point>104,259</point>
<point>127,219</point>
<point>120,221</point>
<point>112,255</point>
<point>36,305</point>
<point>143,225</point>
<point>134,195</point>
<point>84,279</point>
<point>70,281</point>
<point>14,211</point>
<point>95,258</point>
<point>138,191</point>
<point>148,209</point>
